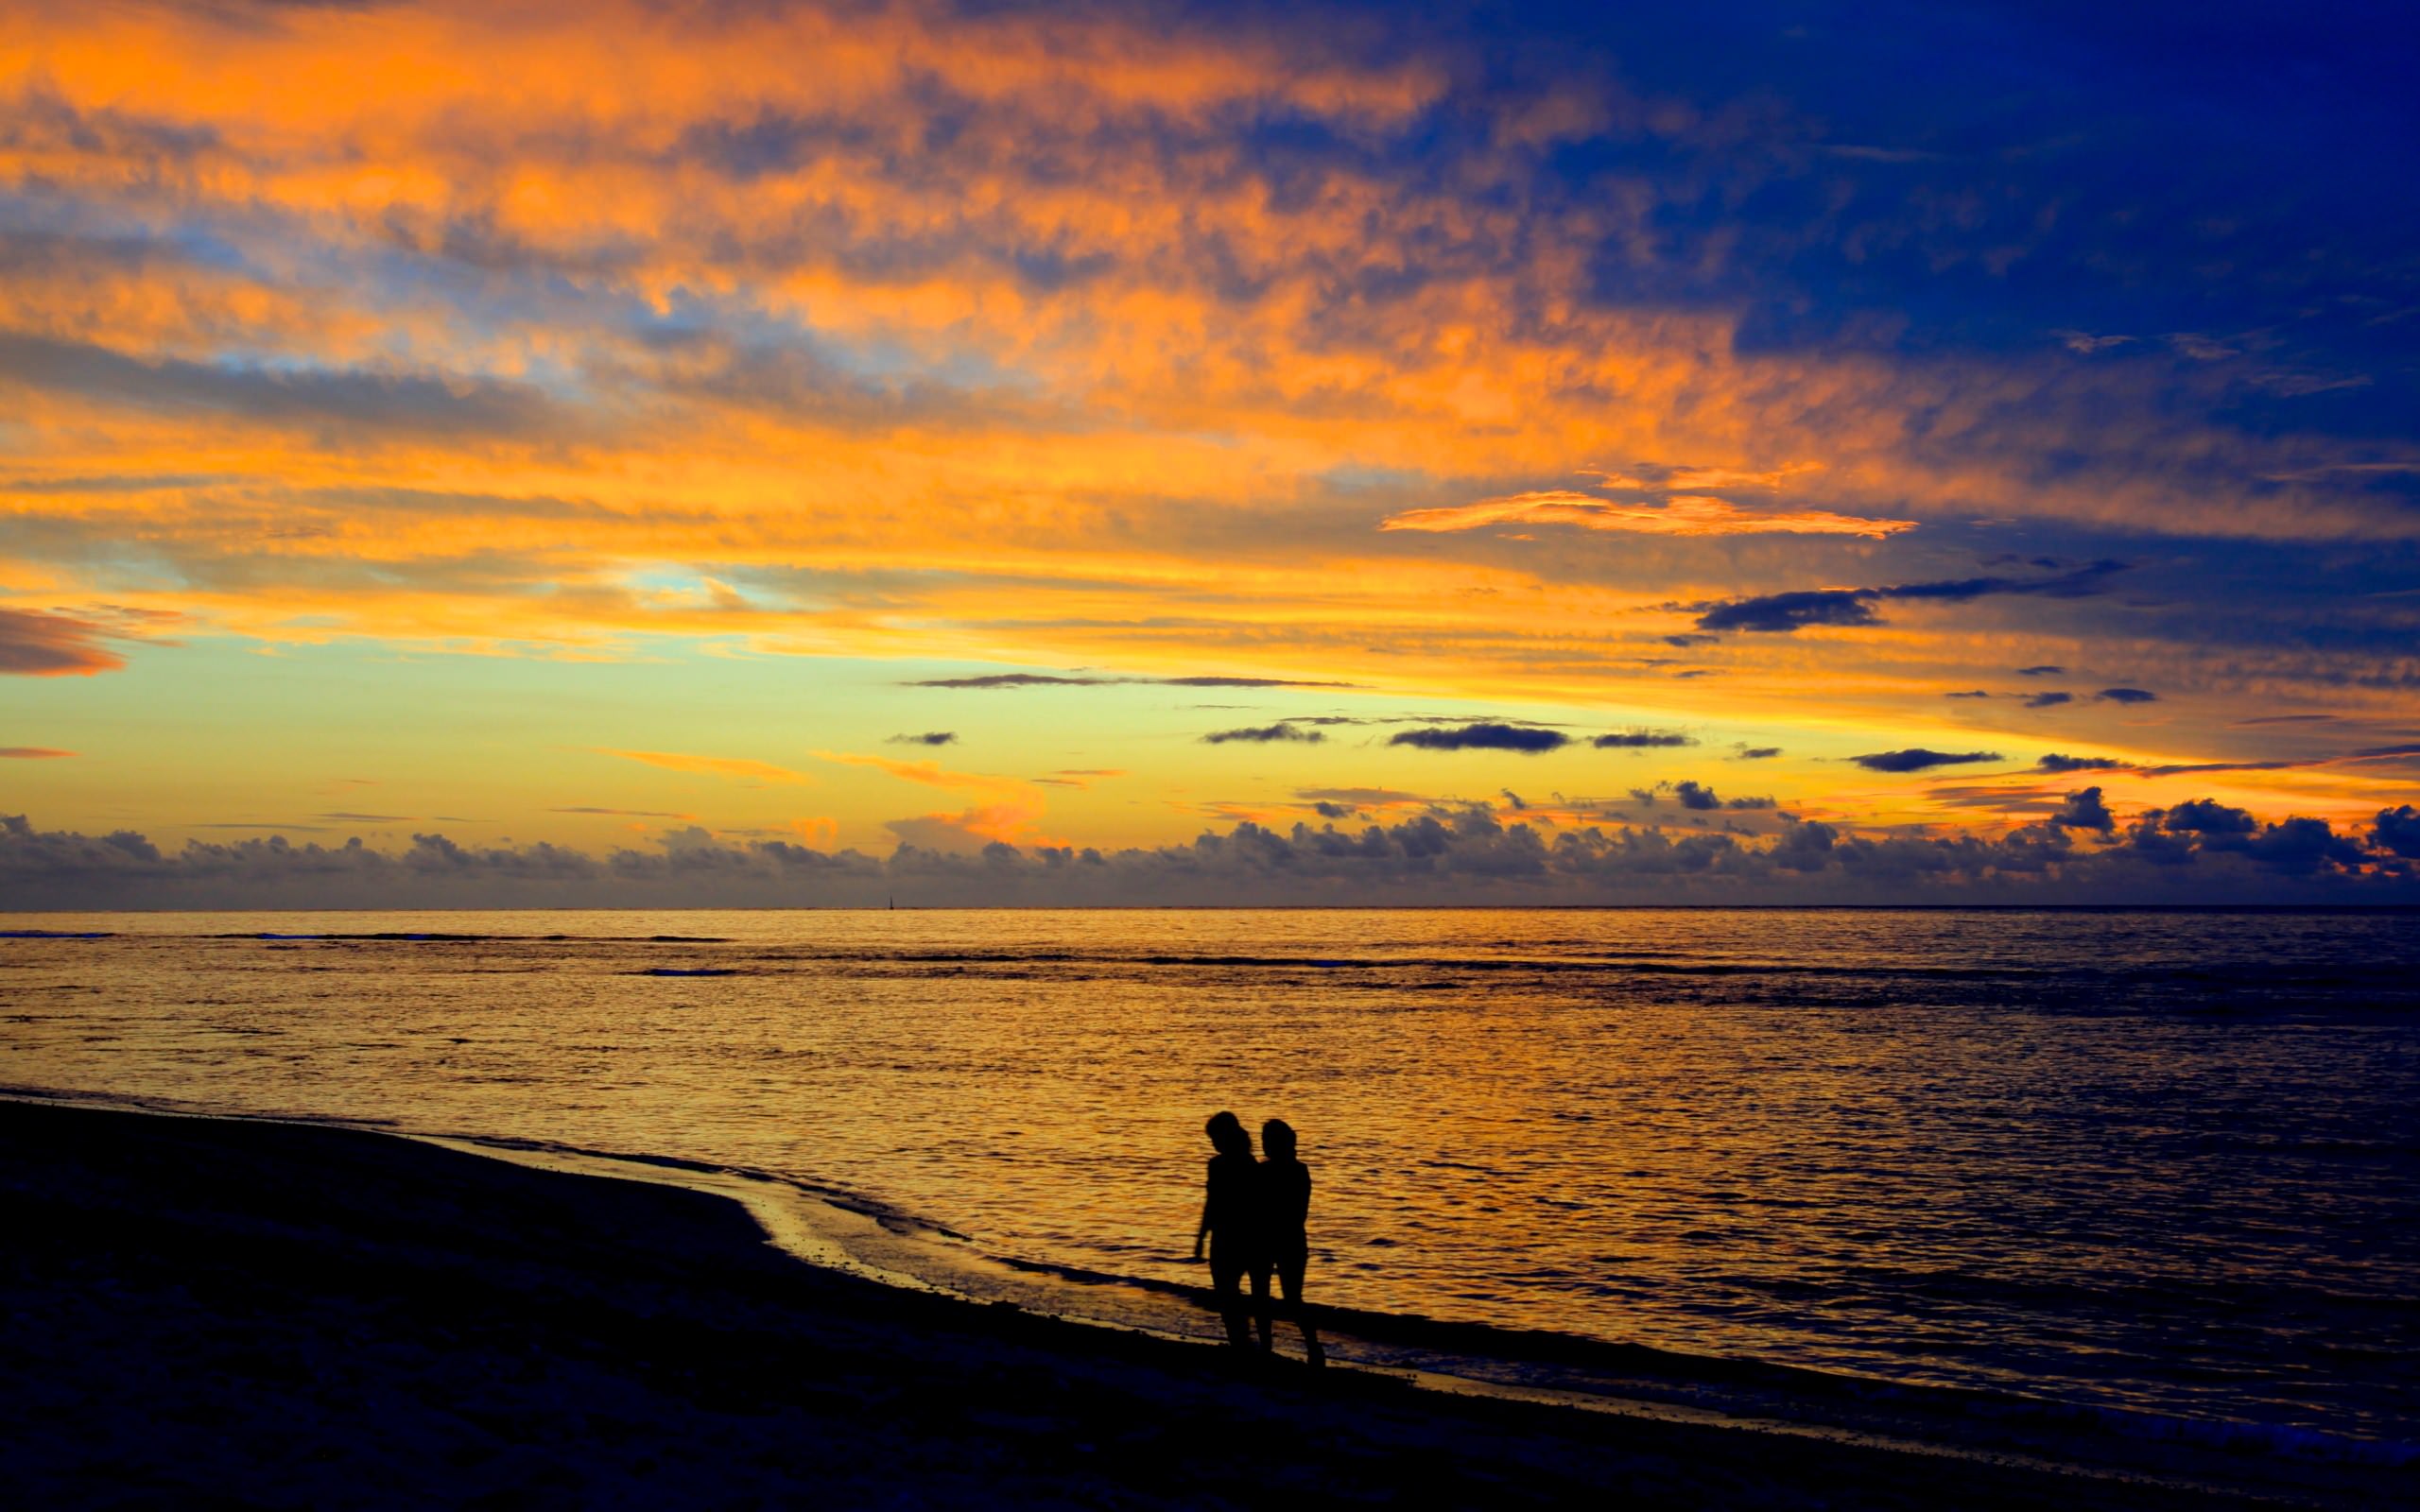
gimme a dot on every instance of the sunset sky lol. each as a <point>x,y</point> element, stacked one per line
<point>689,452</point>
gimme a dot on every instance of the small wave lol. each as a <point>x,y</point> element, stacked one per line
<point>2271,1438</point>
<point>2135,1294</point>
<point>895,1219</point>
<point>387,934</point>
<point>419,936</point>
<point>1606,965</point>
<point>669,1162</point>
<point>1594,1366</point>
<point>55,933</point>
<point>969,957</point>
<point>689,971</point>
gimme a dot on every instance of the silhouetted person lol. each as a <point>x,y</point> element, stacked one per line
<point>1285,1210</point>
<point>1231,1214</point>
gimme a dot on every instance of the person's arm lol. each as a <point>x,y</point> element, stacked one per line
<point>1204,1231</point>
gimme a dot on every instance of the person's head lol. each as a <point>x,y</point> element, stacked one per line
<point>1226,1132</point>
<point>1277,1140</point>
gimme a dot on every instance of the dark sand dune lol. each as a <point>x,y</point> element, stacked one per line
<point>206,1313</point>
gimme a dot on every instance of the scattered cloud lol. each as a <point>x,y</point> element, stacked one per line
<point>2370,753</point>
<point>1362,796</point>
<point>929,774</point>
<point>2084,344</point>
<point>1758,754</point>
<point>1680,515</point>
<point>2126,695</point>
<point>1265,734</point>
<point>626,814</point>
<point>2083,810</point>
<point>974,829</point>
<point>2048,700</point>
<point>1526,739</point>
<point>2204,817</point>
<point>1241,682</point>
<point>2399,830</point>
<point>930,737</point>
<point>818,831</point>
<point>2044,670</point>
<point>1917,759</point>
<point>1642,740</point>
<point>35,644</point>
<point>31,753</point>
<point>2054,762</point>
<point>1782,613</point>
<point>2201,347</point>
<point>1080,777</point>
<point>1666,477</point>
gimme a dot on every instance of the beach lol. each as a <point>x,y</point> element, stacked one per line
<point>219,1313</point>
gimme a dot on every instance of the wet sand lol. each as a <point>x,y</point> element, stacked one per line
<point>222,1312</point>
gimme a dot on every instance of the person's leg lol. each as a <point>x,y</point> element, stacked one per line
<point>1290,1275</point>
<point>1260,1303</point>
<point>1227,1283</point>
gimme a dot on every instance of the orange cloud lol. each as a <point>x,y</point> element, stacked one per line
<point>820,833</point>
<point>1685,479</point>
<point>931,774</point>
<point>1682,515</point>
<point>36,644</point>
<point>1080,777</point>
<point>739,768</point>
<point>1007,814</point>
<point>971,828</point>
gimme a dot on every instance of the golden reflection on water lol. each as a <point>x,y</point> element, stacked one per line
<point>1961,1147</point>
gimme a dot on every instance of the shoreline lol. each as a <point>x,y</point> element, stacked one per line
<point>588,1328</point>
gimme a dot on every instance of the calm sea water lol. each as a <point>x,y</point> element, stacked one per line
<point>2166,1161</point>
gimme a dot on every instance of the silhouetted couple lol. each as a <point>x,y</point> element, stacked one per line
<point>1255,1215</point>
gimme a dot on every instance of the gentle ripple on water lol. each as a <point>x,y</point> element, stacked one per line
<point>2167,1160</point>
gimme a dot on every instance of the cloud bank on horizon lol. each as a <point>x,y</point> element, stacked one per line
<point>582,417</point>
<point>2200,851</point>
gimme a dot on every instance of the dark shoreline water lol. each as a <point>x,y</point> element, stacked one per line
<point>2166,1165</point>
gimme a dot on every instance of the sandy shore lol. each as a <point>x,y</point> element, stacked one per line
<point>206,1313</point>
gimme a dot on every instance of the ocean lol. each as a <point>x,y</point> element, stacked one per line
<point>2164,1164</point>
